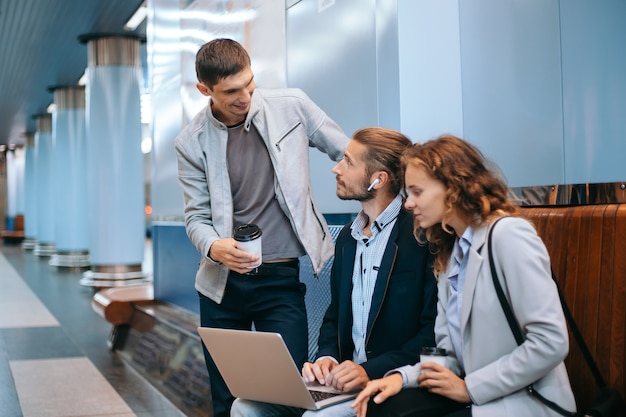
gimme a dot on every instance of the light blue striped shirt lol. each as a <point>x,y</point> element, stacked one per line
<point>456,278</point>
<point>457,283</point>
<point>369,253</point>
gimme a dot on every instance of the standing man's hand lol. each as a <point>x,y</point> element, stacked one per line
<point>226,252</point>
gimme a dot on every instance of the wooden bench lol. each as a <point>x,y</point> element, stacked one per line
<point>16,234</point>
<point>117,306</point>
<point>587,247</point>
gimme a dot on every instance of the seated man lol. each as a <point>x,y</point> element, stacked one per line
<point>383,292</point>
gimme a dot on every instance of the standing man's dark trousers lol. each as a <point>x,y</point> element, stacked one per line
<point>272,300</point>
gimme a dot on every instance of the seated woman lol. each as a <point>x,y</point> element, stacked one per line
<point>455,199</point>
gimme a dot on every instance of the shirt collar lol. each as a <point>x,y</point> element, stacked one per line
<point>465,242</point>
<point>389,214</point>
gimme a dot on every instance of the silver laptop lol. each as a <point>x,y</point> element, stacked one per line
<point>258,366</point>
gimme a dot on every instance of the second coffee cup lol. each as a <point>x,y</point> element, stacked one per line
<point>434,354</point>
<point>248,237</point>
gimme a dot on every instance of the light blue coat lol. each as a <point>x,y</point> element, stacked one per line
<point>289,123</point>
<point>497,369</point>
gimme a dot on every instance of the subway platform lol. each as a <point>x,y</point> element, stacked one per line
<point>56,354</point>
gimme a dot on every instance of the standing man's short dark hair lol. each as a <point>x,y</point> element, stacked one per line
<point>219,59</point>
<point>235,168</point>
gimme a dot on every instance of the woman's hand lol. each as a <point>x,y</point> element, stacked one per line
<point>440,380</point>
<point>383,388</point>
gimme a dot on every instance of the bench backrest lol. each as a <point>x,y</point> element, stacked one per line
<point>587,247</point>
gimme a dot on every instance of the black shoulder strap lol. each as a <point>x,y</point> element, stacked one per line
<point>579,337</point>
<point>568,316</point>
<point>517,331</point>
<point>508,312</point>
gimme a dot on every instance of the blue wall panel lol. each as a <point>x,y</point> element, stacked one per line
<point>430,68</point>
<point>511,74</point>
<point>594,90</point>
<point>175,264</point>
<point>331,55</point>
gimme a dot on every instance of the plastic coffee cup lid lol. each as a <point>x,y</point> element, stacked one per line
<point>433,351</point>
<point>247,232</point>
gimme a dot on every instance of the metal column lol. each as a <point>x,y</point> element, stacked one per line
<point>115,180</point>
<point>45,197</point>
<point>30,193</point>
<point>70,178</point>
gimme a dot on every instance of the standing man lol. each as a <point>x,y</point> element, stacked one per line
<point>244,159</point>
<point>383,292</point>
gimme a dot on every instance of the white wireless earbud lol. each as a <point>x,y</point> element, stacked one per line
<point>373,184</point>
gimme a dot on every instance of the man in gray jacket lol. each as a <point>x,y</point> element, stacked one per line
<point>244,159</point>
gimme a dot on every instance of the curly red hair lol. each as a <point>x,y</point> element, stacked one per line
<point>473,189</point>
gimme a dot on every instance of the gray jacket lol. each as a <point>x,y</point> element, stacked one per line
<point>289,123</point>
<point>498,370</point>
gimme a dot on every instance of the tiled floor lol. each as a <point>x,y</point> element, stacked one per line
<point>54,359</point>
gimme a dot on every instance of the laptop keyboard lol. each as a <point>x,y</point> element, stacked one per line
<point>321,395</point>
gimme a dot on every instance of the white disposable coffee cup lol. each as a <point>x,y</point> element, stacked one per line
<point>434,354</point>
<point>248,237</point>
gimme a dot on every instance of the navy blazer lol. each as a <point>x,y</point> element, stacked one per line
<point>404,303</point>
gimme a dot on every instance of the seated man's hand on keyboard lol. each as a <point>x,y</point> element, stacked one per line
<point>318,370</point>
<point>347,376</point>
